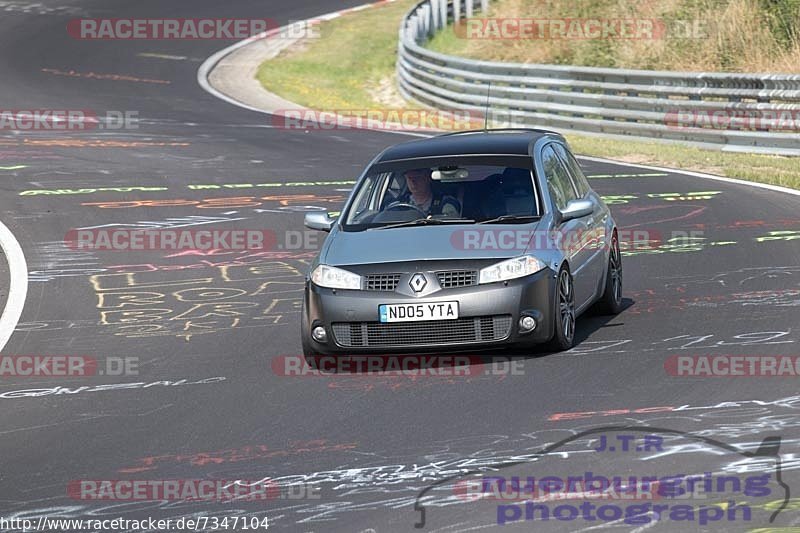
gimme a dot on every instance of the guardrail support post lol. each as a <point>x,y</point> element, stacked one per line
<point>427,26</point>
<point>435,14</point>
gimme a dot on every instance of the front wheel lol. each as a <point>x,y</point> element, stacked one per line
<point>564,322</point>
<point>611,301</point>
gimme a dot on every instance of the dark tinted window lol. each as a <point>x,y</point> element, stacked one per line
<point>558,181</point>
<point>578,177</point>
<point>469,188</point>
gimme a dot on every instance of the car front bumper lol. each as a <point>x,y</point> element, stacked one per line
<point>489,317</point>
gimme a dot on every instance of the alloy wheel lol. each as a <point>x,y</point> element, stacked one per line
<point>566,302</point>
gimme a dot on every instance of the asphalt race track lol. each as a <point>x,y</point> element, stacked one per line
<point>209,400</point>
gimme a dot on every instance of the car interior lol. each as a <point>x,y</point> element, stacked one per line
<point>509,192</point>
<point>482,192</point>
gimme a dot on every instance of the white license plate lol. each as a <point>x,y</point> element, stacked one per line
<point>417,312</point>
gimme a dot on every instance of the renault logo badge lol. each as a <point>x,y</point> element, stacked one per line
<point>417,282</point>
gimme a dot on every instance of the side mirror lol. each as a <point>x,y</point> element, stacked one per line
<point>577,209</point>
<point>319,221</point>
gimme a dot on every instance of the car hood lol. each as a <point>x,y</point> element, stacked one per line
<point>419,244</point>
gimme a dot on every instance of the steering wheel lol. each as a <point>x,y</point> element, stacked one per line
<point>405,205</point>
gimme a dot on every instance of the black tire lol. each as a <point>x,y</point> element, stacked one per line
<point>611,301</point>
<point>564,313</point>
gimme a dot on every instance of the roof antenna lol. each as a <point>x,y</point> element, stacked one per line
<point>486,114</point>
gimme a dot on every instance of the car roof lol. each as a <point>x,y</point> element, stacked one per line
<point>466,143</point>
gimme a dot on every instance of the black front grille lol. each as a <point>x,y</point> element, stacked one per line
<point>382,282</point>
<point>462,330</point>
<point>451,279</point>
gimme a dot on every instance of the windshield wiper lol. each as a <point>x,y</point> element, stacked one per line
<point>511,218</point>
<point>427,222</point>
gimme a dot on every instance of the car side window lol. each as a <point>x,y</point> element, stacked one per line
<point>558,181</point>
<point>578,177</point>
<point>366,199</point>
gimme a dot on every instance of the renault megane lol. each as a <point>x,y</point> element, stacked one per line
<point>471,240</point>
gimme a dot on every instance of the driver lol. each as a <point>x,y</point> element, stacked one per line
<point>422,196</point>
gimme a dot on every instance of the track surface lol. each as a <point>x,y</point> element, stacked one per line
<point>368,444</point>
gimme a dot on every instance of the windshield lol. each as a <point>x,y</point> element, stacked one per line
<point>444,191</point>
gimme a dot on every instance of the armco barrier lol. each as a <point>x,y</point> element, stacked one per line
<point>617,103</point>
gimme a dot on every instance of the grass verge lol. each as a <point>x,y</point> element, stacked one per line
<point>694,35</point>
<point>351,66</point>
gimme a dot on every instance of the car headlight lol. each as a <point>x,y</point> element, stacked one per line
<point>335,278</point>
<point>511,269</point>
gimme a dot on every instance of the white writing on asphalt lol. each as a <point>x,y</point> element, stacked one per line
<point>35,393</point>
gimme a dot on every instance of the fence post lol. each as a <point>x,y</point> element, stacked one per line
<point>430,27</point>
<point>435,15</point>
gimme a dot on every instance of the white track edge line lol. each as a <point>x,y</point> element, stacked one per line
<point>768,186</point>
<point>18,284</point>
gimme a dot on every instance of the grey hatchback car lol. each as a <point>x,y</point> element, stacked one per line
<point>464,241</point>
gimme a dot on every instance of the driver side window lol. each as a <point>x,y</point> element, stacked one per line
<point>558,182</point>
<point>394,189</point>
<point>367,199</point>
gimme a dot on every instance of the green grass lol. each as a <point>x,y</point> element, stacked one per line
<point>356,54</point>
<point>699,35</point>
<point>343,68</point>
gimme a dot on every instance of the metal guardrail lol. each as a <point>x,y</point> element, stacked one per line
<point>616,103</point>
